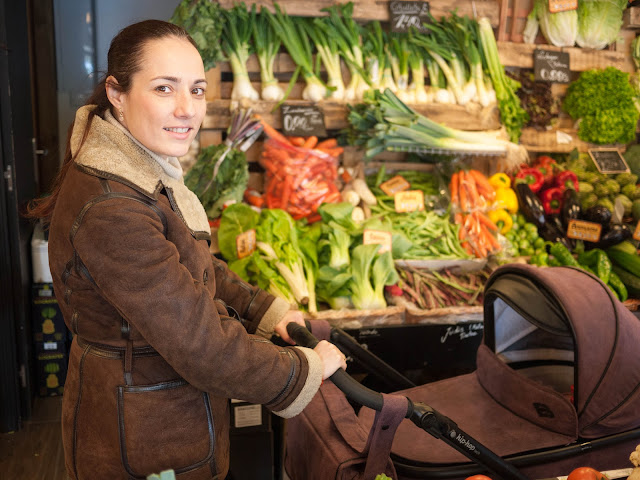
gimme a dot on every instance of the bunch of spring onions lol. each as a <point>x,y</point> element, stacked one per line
<point>329,53</point>
<point>384,123</point>
<point>347,33</point>
<point>378,57</point>
<point>267,44</point>
<point>294,37</point>
<point>239,25</point>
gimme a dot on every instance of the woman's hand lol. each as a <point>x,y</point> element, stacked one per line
<point>294,316</point>
<point>332,358</point>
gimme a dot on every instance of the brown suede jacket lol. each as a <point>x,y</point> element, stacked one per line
<point>157,352</point>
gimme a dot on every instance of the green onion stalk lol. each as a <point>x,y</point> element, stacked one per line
<point>635,78</point>
<point>236,46</point>
<point>378,61</point>
<point>441,54</point>
<point>439,91</point>
<point>512,114</point>
<point>267,43</point>
<point>295,39</point>
<point>400,65</point>
<point>417,89</point>
<point>386,123</point>
<point>347,33</point>
<point>329,53</point>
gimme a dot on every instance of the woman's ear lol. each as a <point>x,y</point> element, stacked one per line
<point>114,94</point>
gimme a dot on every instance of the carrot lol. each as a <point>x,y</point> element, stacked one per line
<point>453,189</point>
<point>297,141</point>
<point>474,198</point>
<point>286,191</point>
<point>462,192</point>
<point>272,132</point>
<point>310,142</point>
<point>334,152</point>
<point>329,143</point>
<point>495,245</point>
<point>486,221</point>
<point>484,187</point>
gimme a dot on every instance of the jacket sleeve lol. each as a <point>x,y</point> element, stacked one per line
<point>259,310</point>
<point>138,271</point>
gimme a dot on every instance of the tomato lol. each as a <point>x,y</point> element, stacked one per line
<point>478,477</point>
<point>586,473</point>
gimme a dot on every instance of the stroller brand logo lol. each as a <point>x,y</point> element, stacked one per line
<point>463,441</point>
<point>543,410</point>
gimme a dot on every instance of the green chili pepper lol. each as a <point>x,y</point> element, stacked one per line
<point>563,255</point>
<point>617,286</point>
<point>588,258</point>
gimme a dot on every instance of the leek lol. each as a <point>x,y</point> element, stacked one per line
<point>384,122</point>
<point>235,43</point>
<point>400,66</point>
<point>266,44</point>
<point>378,58</point>
<point>439,90</point>
<point>295,39</point>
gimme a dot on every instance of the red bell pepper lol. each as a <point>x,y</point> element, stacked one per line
<point>566,179</point>
<point>532,177</point>
<point>552,200</point>
<point>546,165</point>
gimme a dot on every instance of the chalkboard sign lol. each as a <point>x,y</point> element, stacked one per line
<point>551,66</point>
<point>303,121</point>
<point>609,160</point>
<point>405,15</point>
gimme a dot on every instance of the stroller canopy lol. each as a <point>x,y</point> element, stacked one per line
<point>560,360</point>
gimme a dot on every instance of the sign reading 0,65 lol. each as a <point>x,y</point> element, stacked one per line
<point>551,66</point>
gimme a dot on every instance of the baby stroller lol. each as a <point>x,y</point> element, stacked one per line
<point>556,386</point>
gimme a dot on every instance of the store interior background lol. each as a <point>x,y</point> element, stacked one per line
<point>51,54</point>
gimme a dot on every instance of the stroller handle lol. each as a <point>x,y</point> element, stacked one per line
<point>422,415</point>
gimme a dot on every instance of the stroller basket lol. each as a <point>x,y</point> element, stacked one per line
<point>557,386</point>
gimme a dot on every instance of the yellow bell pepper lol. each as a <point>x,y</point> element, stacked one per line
<point>500,180</point>
<point>506,198</point>
<point>502,219</point>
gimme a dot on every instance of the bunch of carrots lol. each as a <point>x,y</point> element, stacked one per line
<point>300,173</point>
<point>471,194</point>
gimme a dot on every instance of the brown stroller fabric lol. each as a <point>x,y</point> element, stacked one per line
<point>559,364</point>
<point>330,442</point>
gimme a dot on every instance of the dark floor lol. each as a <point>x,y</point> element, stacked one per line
<point>35,451</point>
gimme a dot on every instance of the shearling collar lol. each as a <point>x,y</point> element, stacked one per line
<point>107,152</point>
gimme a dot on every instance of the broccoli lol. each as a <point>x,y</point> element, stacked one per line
<point>603,100</point>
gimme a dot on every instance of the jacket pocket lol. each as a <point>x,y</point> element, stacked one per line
<point>164,426</point>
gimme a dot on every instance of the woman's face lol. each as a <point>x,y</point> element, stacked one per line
<point>166,104</point>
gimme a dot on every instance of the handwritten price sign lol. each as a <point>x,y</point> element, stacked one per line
<point>406,15</point>
<point>303,121</point>
<point>551,66</point>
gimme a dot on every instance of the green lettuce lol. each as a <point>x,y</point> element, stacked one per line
<point>599,22</point>
<point>560,28</point>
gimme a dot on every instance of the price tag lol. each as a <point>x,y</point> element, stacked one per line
<point>609,160</point>
<point>246,243</point>
<point>406,15</point>
<point>409,201</point>
<point>395,185</point>
<point>377,237</point>
<point>551,66</point>
<point>556,6</point>
<point>303,121</point>
<point>636,234</point>
<point>581,230</point>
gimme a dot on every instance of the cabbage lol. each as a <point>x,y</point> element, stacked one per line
<point>559,29</point>
<point>599,22</point>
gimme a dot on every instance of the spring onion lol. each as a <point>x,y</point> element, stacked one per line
<point>267,44</point>
<point>400,66</point>
<point>295,39</point>
<point>347,32</point>
<point>329,53</point>
<point>237,47</point>
<point>377,55</point>
<point>417,88</point>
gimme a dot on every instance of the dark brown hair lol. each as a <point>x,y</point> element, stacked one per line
<point>123,61</point>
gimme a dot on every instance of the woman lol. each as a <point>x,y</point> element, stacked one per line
<point>157,351</point>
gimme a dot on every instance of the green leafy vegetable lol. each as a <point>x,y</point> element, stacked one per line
<point>371,272</point>
<point>203,19</point>
<point>603,100</point>
<point>559,29</point>
<point>599,22</point>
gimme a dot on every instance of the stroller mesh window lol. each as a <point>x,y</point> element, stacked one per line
<point>535,352</point>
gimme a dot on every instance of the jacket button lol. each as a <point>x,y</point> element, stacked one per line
<point>205,277</point>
